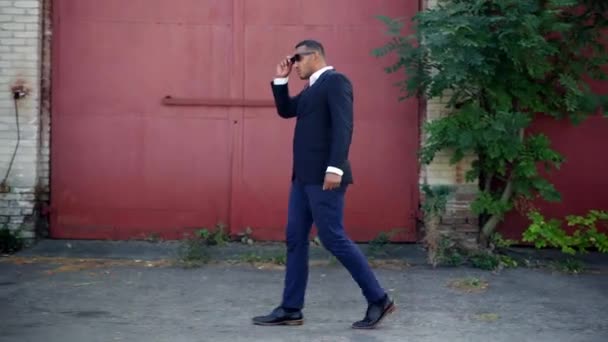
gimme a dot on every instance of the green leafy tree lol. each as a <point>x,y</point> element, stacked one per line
<point>500,64</point>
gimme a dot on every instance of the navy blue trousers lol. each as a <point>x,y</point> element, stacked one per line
<point>308,203</point>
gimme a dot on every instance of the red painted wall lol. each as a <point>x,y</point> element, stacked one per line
<point>583,178</point>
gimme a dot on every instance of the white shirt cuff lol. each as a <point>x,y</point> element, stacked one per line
<point>331,169</point>
<point>280,81</point>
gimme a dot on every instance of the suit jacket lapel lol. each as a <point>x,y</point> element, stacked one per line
<point>323,77</point>
<point>308,92</point>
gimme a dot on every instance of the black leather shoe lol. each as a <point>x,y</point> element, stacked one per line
<point>280,317</point>
<point>375,314</point>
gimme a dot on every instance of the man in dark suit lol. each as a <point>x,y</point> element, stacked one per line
<point>321,174</point>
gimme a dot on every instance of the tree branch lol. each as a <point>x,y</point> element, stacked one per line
<point>489,227</point>
<point>488,182</point>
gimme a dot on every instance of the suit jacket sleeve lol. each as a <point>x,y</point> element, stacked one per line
<point>340,101</point>
<point>287,106</point>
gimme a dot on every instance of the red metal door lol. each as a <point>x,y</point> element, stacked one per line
<point>124,165</point>
<point>383,155</point>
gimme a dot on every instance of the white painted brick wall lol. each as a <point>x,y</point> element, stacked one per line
<point>458,222</point>
<point>20,62</point>
<point>440,171</point>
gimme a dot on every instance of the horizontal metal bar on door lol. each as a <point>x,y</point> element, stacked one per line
<point>206,102</point>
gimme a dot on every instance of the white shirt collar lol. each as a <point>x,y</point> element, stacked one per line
<point>314,77</point>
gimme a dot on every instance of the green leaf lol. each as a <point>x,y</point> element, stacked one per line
<point>550,233</point>
<point>563,3</point>
<point>394,25</point>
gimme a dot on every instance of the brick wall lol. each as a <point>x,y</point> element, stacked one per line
<point>20,47</point>
<point>458,222</point>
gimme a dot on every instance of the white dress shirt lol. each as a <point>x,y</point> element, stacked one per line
<point>313,78</point>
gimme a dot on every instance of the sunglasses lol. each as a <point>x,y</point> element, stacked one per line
<point>298,56</point>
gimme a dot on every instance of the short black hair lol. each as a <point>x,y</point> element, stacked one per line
<point>313,45</point>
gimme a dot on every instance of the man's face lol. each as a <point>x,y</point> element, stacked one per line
<point>304,61</point>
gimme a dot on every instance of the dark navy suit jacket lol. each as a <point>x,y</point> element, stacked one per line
<point>324,126</point>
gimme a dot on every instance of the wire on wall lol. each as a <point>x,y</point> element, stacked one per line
<point>17,94</point>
